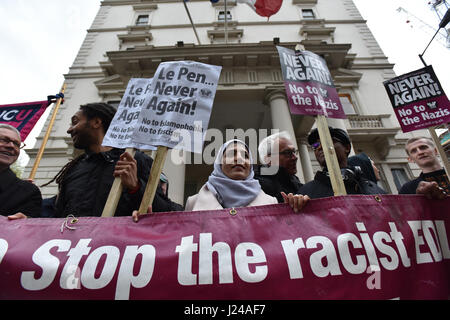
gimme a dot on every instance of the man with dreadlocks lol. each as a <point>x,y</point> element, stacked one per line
<point>84,183</point>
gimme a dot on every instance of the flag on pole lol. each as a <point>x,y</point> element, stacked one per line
<point>213,1</point>
<point>264,8</point>
<point>23,116</point>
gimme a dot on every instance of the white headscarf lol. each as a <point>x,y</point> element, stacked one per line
<point>232,193</point>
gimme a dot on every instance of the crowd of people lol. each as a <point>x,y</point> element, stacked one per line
<point>84,183</point>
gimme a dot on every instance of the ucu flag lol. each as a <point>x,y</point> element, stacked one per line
<point>22,116</point>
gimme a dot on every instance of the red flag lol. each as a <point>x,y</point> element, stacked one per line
<point>264,8</point>
<point>22,116</point>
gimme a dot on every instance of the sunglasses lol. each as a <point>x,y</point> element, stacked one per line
<point>317,144</point>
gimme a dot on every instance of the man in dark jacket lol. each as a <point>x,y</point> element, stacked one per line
<point>85,182</point>
<point>279,158</point>
<point>18,198</point>
<point>354,181</point>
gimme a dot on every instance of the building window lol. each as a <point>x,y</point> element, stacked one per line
<point>308,14</point>
<point>347,104</point>
<point>142,19</point>
<point>400,177</point>
<point>221,16</point>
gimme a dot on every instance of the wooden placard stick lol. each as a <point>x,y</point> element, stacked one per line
<point>441,151</point>
<point>47,135</point>
<point>330,156</point>
<point>115,193</point>
<point>328,150</point>
<point>153,180</point>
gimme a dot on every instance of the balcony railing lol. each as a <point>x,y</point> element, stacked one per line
<point>361,121</point>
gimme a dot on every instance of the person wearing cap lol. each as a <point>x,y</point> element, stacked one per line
<point>354,180</point>
<point>279,166</point>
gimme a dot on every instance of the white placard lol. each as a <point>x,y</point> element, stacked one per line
<point>177,113</point>
<point>126,118</point>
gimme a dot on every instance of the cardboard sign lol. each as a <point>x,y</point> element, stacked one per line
<point>349,247</point>
<point>126,118</point>
<point>418,99</point>
<point>309,84</point>
<point>178,110</point>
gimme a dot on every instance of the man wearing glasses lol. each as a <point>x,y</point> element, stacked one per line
<point>279,158</point>
<point>18,198</point>
<point>354,181</point>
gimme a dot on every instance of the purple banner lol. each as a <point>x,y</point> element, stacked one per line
<point>348,247</point>
<point>309,84</point>
<point>418,99</point>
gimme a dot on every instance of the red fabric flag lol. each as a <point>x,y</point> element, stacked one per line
<point>264,8</point>
<point>22,116</point>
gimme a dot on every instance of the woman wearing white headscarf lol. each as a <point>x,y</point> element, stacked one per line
<point>231,184</point>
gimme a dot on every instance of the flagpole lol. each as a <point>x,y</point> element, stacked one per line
<point>226,23</point>
<point>190,19</point>
<point>47,135</point>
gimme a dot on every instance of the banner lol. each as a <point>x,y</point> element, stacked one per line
<point>347,247</point>
<point>179,107</point>
<point>309,84</point>
<point>125,120</point>
<point>418,99</point>
<point>22,116</point>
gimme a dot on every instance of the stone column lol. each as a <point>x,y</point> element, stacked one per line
<point>281,119</point>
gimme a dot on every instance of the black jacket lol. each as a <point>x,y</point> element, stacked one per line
<point>85,188</point>
<point>439,176</point>
<point>281,181</point>
<point>321,187</point>
<point>17,195</point>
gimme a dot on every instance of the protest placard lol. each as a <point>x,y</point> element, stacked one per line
<point>126,118</point>
<point>418,100</point>
<point>178,111</point>
<point>309,84</point>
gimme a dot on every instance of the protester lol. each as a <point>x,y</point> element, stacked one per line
<point>18,198</point>
<point>423,152</point>
<point>85,182</point>
<point>232,184</point>
<point>164,184</point>
<point>369,170</point>
<point>279,158</point>
<point>354,181</point>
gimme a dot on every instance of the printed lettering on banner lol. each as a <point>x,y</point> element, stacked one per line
<point>334,244</point>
